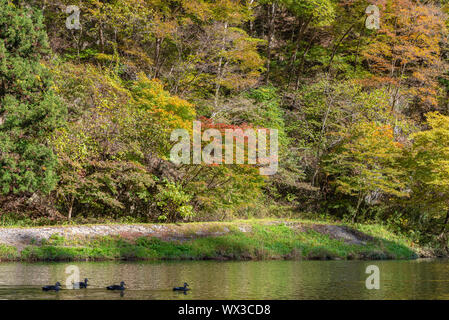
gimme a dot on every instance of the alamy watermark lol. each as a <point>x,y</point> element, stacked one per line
<point>260,151</point>
<point>373,280</point>
<point>373,20</point>
<point>73,20</point>
<point>72,281</point>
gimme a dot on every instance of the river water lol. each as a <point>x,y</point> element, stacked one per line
<point>419,279</point>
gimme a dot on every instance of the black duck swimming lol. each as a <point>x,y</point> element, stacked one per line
<point>116,287</point>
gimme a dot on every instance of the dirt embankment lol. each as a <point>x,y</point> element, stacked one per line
<point>21,237</point>
<point>236,240</point>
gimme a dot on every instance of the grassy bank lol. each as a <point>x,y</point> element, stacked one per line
<point>261,240</point>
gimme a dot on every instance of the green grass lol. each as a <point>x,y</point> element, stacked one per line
<point>8,253</point>
<point>277,241</point>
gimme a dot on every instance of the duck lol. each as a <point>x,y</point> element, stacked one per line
<point>182,288</point>
<point>116,287</point>
<point>56,287</point>
<point>80,285</point>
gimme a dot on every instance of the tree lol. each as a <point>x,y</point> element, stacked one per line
<point>405,54</point>
<point>226,51</point>
<point>367,160</point>
<point>428,166</point>
<point>325,110</point>
<point>290,28</point>
<point>29,107</point>
<point>110,150</point>
<point>309,13</point>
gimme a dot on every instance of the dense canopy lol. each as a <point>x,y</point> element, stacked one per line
<point>86,113</point>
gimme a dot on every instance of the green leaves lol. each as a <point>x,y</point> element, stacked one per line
<point>366,160</point>
<point>29,109</point>
<point>428,160</point>
<point>321,12</point>
<point>366,163</point>
<point>173,202</point>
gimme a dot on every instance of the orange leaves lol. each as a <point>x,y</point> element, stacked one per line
<point>407,48</point>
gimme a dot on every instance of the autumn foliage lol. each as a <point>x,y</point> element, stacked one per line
<point>86,114</point>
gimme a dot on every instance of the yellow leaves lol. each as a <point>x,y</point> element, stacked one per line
<point>367,160</point>
<point>429,156</point>
<point>163,28</point>
<point>200,9</point>
<point>105,57</point>
<point>436,121</point>
<point>229,10</point>
<point>170,111</point>
<point>139,55</point>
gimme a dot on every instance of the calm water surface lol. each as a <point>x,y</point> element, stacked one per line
<point>420,279</point>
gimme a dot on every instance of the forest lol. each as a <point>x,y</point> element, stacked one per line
<point>90,92</point>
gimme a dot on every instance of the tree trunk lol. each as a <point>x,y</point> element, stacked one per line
<point>270,37</point>
<point>101,38</point>
<point>361,34</point>
<point>157,57</point>
<point>442,237</point>
<point>251,23</point>
<point>301,64</point>
<point>334,50</point>
<point>220,68</point>
<point>69,216</point>
<point>302,29</point>
<point>356,213</point>
<point>445,222</point>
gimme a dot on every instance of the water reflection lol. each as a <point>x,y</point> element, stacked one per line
<point>421,279</point>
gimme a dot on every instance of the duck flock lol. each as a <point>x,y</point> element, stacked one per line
<point>121,287</point>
